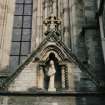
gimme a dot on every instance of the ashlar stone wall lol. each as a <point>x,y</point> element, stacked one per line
<point>26,79</point>
<point>93,39</point>
<point>50,100</point>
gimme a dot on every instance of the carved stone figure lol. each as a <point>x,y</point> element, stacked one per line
<point>51,74</point>
<point>52,22</point>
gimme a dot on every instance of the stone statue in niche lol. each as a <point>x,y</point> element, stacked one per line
<point>51,74</point>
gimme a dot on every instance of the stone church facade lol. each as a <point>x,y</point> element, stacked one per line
<point>52,52</point>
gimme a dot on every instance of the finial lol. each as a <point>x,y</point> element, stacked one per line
<point>52,22</point>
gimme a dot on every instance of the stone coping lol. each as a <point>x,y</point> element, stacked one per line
<point>97,94</point>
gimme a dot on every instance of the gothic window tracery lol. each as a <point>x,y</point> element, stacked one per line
<point>22,29</point>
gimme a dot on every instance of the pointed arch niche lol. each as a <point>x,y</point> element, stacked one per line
<point>61,75</point>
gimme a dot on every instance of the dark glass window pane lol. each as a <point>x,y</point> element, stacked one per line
<point>13,62</point>
<point>19,10</point>
<point>28,1</point>
<point>22,59</point>
<point>15,48</point>
<point>18,21</point>
<point>26,34</point>
<point>19,1</point>
<point>27,22</point>
<point>28,10</point>
<point>16,35</point>
<point>25,48</point>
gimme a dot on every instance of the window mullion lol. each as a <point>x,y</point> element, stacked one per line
<point>21,34</point>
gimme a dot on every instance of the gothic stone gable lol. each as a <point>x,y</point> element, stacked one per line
<point>30,76</point>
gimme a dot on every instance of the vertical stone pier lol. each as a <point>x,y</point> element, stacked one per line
<point>6,26</point>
